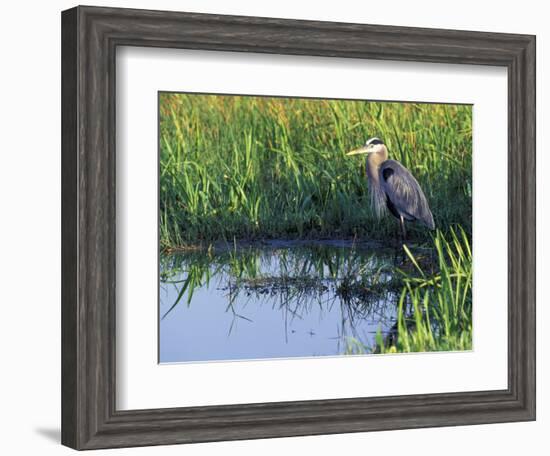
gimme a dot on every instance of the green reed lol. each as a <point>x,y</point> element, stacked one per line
<point>256,167</point>
<point>435,308</point>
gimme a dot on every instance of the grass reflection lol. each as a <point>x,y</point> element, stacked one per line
<point>420,303</point>
<point>294,279</point>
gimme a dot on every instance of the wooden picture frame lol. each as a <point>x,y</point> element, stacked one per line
<point>90,36</point>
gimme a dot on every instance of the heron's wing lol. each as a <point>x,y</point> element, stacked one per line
<point>404,192</point>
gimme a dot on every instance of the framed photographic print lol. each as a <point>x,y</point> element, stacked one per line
<point>279,228</point>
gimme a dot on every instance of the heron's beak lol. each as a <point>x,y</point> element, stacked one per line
<point>360,151</point>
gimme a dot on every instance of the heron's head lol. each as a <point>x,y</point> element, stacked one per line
<point>372,146</point>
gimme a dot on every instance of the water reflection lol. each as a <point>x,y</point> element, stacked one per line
<point>276,300</point>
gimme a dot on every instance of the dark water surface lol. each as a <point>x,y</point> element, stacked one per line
<point>275,300</point>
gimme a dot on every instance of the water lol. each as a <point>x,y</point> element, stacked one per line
<point>277,300</point>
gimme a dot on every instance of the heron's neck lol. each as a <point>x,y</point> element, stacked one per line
<point>373,164</point>
<point>378,198</point>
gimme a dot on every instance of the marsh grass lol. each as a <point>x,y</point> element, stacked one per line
<point>435,309</point>
<point>238,168</point>
<point>259,167</point>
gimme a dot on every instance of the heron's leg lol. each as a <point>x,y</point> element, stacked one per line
<point>403,241</point>
<point>399,256</point>
<point>403,231</point>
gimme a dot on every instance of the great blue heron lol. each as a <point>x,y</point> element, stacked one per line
<point>392,186</point>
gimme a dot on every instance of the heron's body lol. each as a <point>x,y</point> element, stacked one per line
<point>393,187</point>
<point>399,192</point>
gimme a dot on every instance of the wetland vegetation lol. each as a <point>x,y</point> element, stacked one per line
<point>269,246</point>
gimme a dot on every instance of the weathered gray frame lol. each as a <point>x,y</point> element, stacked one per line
<point>90,36</point>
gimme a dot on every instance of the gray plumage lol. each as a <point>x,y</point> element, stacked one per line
<point>392,187</point>
<point>404,193</point>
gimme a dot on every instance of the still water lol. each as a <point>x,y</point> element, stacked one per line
<point>275,300</point>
